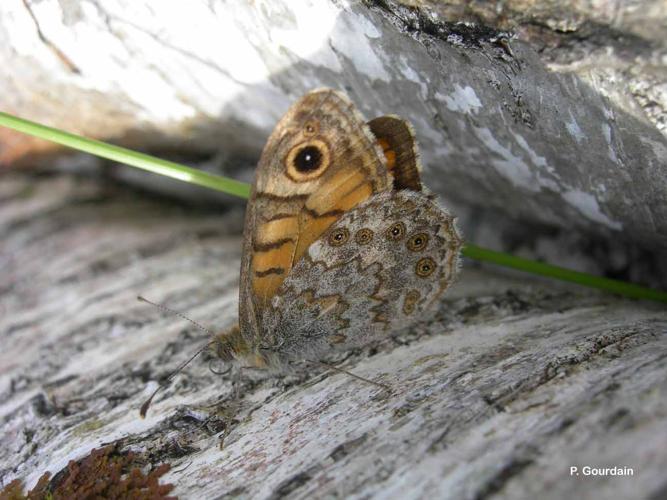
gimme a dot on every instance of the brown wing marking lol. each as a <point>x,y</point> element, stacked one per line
<point>341,193</point>
<point>272,250</point>
<point>321,161</point>
<point>397,140</point>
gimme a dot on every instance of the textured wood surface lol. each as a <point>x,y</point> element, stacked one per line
<point>515,380</point>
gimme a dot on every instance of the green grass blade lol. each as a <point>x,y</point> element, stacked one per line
<point>241,189</point>
<point>561,273</point>
<point>127,156</point>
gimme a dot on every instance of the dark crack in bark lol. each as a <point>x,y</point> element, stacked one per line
<point>60,55</point>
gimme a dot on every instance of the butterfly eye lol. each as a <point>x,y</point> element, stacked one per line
<point>339,237</point>
<point>307,161</point>
<point>425,267</point>
<point>418,242</point>
<point>396,231</point>
<point>364,236</point>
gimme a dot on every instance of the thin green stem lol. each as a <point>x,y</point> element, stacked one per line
<point>561,273</point>
<point>127,156</point>
<point>241,189</point>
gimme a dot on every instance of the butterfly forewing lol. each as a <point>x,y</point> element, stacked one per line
<point>320,161</point>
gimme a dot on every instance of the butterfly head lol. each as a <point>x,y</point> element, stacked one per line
<point>230,345</point>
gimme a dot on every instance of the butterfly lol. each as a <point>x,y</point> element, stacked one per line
<point>342,245</point>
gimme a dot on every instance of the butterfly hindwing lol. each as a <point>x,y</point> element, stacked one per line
<point>397,139</point>
<point>377,269</point>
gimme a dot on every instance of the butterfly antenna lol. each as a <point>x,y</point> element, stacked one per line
<point>175,313</point>
<point>147,403</point>
<point>353,375</point>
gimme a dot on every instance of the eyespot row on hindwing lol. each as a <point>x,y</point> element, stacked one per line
<point>417,242</point>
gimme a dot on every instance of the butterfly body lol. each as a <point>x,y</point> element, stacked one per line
<point>341,246</point>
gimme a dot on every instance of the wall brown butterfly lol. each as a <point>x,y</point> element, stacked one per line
<point>341,244</point>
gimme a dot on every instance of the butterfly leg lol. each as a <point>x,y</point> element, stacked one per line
<point>353,375</point>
